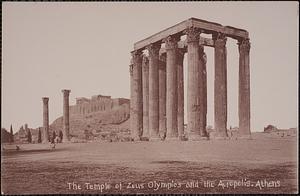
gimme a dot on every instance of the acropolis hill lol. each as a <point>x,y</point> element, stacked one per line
<point>98,117</point>
<point>90,117</point>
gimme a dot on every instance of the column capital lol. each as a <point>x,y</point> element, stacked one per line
<point>136,55</point>
<point>145,62</point>
<point>192,34</point>
<point>163,57</point>
<point>244,45</point>
<point>153,49</point>
<point>45,100</point>
<point>131,69</point>
<point>171,42</point>
<point>182,51</point>
<point>66,92</point>
<point>220,40</point>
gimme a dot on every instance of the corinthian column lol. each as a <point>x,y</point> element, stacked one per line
<point>66,120</point>
<point>172,96</point>
<point>145,96</point>
<point>220,87</point>
<point>204,78</point>
<point>195,97</point>
<point>180,92</point>
<point>153,50</point>
<point>203,92</point>
<point>136,115</point>
<point>45,120</point>
<point>162,96</point>
<point>244,89</point>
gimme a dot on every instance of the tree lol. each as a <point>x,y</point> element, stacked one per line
<point>29,138</point>
<point>11,134</point>
<point>40,136</point>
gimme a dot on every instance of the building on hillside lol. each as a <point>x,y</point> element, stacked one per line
<point>96,103</point>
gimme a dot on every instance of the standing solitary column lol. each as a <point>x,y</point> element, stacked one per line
<point>172,96</point>
<point>136,116</point>
<point>162,96</point>
<point>194,101</point>
<point>45,120</point>
<point>220,93</point>
<point>180,111</point>
<point>66,122</point>
<point>145,97</point>
<point>244,89</point>
<point>153,50</point>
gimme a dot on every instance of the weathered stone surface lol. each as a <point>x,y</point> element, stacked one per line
<point>195,106</point>
<point>220,89</point>
<point>203,92</point>
<point>145,70</point>
<point>45,119</point>
<point>66,117</point>
<point>206,26</point>
<point>244,88</point>
<point>96,103</point>
<point>172,96</point>
<point>136,115</point>
<point>162,96</point>
<point>180,89</point>
<point>204,77</point>
<point>153,50</point>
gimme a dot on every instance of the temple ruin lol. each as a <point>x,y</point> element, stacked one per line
<point>157,93</point>
<point>96,103</point>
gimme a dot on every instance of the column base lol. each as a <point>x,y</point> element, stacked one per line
<point>144,138</point>
<point>196,138</point>
<point>66,141</point>
<point>172,139</point>
<point>219,138</point>
<point>246,137</point>
<point>136,138</point>
<point>155,139</point>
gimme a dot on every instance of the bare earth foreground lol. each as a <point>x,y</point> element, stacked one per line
<point>262,165</point>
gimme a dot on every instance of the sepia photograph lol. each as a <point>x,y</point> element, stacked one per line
<point>149,97</point>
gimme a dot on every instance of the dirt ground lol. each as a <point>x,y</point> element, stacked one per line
<point>260,165</point>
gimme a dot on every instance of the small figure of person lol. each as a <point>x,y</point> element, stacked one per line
<point>53,140</point>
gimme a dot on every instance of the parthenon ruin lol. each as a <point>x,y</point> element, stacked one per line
<point>157,93</point>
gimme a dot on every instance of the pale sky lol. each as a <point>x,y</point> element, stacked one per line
<point>85,47</point>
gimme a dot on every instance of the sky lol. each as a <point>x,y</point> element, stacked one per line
<point>85,47</point>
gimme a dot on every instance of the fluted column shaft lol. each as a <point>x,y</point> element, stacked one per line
<point>244,88</point>
<point>195,99</point>
<point>180,92</point>
<point>162,96</point>
<point>45,119</point>
<point>204,77</point>
<point>136,115</point>
<point>66,117</point>
<point>203,92</point>
<point>153,91</point>
<point>220,89</point>
<point>172,96</point>
<point>145,70</point>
